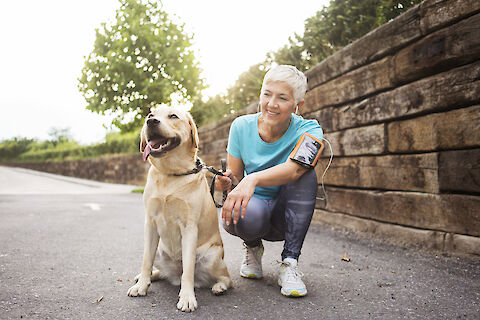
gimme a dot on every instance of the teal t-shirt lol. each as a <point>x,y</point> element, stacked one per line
<point>245,143</point>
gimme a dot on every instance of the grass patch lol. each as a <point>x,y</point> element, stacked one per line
<point>139,190</point>
<point>25,150</point>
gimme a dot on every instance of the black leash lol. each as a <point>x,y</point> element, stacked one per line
<point>212,186</point>
<point>199,166</point>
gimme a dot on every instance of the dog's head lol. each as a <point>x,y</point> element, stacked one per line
<point>165,130</point>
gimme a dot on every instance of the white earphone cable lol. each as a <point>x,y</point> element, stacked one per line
<point>326,169</point>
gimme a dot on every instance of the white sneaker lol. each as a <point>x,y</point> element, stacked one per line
<point>290,279</point>
<point>252,262</point>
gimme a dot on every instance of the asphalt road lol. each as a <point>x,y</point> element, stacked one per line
<point>70,248</point>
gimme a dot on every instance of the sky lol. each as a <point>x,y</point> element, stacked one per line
<point>44,44</point>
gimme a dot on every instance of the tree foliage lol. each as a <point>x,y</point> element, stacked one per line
<point>62,148</point>
<point>16,148</point>
<point>343,22</point>
<point>60,135</point>
<point>10,149</point>
<point>389,9</point>
<point>291,53</point>
<point>213,109</point>
<point>141,60</point>
<point>246,89</point>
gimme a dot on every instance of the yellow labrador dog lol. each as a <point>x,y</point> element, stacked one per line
<point>182,236</point>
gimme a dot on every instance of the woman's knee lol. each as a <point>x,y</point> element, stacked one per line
<point>255,224</point>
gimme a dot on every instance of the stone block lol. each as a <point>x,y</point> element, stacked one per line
<point>452,89</point>
<point>353,85</point>
<point>459,171</point>
<point>214,147</point>
<point>439,13</point>
<point>325,118</point>
<point>445,212</point>
<point>457,129</point>
<point>399,235</point>
<point>393,172</point>
<point>446,48</point>
<point>220,132</point>
<point>462,244</point>
<point>358,141</point>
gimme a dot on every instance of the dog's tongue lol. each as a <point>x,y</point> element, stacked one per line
<point>146,152</point>
<point>152,144</point>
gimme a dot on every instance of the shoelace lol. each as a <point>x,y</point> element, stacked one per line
<point>292,273</point>
<point>249,256</point>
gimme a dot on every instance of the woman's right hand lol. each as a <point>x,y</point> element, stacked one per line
<point>224,182</point>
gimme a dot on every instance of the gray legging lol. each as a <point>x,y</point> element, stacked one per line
<point>287,217</point>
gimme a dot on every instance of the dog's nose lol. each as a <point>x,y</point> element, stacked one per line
<point>153,122</point>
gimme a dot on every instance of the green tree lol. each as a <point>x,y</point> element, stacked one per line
<point>390,9</point>
<point>246,89</point>
<point>292,53</point>
<point>60,135</point>
<point>139,61</point>
<point>213,109</point>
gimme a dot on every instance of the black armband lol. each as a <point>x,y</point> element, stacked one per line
<point>307,151</point>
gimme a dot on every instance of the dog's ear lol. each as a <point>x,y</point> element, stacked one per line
<point>143,140</point>
<point>193,130</point>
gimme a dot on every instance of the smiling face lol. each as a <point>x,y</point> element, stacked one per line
<point>165,129</point>
<point>278,103</point>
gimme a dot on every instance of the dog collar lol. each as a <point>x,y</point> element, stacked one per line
<point>199,166</point>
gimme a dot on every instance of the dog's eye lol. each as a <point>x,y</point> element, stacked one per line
<point>173,116</point>
<point>149,115</point>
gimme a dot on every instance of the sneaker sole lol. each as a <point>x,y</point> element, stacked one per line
<point>250,276</point>
<point>294,293</point>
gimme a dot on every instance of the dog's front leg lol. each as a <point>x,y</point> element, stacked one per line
<point>151,244</point>
<point>186,298</point>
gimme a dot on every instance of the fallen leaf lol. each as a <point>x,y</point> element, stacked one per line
<point>98,300</point>
<point>119,280</point>
<point>153,304</point>
<point>345,258</point>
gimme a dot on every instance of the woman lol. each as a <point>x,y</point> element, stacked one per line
<point>271,156</point>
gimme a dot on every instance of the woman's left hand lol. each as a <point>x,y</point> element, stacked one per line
<point>238,199</point>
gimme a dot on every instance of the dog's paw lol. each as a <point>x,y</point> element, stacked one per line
<point>219,288</point>
<point>139,289</point>
<point>186,301</point>
<point>137,277</point>
<point>156,275</point>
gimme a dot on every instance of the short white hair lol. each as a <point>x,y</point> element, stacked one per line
<point>291,76</point>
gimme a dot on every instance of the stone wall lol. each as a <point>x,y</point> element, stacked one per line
<point>126,169</point>
<point>401,108</point>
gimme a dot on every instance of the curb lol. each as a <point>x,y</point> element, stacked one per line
<point>453,243</point>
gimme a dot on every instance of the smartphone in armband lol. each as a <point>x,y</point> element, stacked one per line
<point>307,151</point>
